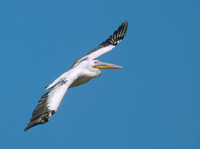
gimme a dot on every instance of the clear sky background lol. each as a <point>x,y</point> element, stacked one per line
<point>152,103</point>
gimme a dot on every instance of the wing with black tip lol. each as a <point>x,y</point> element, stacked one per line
<point>105,46</point>
<point>49,103</point>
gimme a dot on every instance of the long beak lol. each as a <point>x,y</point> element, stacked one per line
<point>102,65</point>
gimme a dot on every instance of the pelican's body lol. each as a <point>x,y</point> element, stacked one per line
<point>81,72</point>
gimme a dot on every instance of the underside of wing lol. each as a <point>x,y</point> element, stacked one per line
<point>48,105</point>
<point>105,46</point>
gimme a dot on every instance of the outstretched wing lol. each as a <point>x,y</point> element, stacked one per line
<point>49,103</point>
<point>105,46</point>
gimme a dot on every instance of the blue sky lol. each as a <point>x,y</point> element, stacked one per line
<point>153,102</point>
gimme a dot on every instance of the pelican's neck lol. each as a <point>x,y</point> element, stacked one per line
<point>94,72</point>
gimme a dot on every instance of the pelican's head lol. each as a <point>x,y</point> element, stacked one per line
<point>101,65</point>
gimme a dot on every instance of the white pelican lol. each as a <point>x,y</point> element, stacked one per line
<point>83,69</point>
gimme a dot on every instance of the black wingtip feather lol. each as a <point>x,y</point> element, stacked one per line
<point>118,35</point>
<point>39,120</point>
<point>32,124</point>
<point>41,113</point>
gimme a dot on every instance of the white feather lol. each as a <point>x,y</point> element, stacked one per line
<point>100,52</point>
<point>55,97</point>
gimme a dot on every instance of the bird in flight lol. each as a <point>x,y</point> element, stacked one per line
<point>82,70</point>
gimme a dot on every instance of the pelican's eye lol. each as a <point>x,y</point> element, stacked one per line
<point>96,62</point>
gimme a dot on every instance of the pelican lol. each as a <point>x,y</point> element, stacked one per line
<point>82,71</point>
